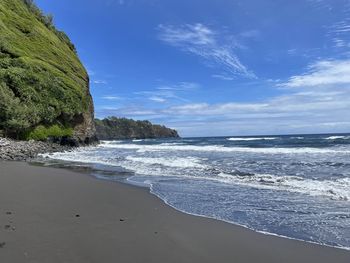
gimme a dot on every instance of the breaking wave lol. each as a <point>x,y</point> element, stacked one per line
<point>251,139</point>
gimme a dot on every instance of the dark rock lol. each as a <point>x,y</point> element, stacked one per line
<point>2,244</point>
<point>11,150</point>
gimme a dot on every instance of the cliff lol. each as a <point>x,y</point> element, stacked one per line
<point>44,88</point>
<point>113,128</point>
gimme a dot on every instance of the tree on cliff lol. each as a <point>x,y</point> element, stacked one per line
<point>113,128</point>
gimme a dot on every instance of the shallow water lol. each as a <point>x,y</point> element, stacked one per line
<point>293,186</point>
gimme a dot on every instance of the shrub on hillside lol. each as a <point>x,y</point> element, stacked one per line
<point>42,133</point>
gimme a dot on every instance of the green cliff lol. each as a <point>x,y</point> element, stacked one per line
<point>44,88</point>
<point>113,128</point>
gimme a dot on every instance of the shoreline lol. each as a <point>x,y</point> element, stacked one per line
<point>88,170</point>
<point>248,228</point>
<point>118,216</point>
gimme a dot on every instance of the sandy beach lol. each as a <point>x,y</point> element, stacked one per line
<point>55,215</point>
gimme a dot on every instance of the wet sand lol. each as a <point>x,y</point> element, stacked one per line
<point>55,215</point>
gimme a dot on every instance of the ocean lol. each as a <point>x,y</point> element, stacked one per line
<point>295,186</point>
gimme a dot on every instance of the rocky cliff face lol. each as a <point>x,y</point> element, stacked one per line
<point>44,88</point>
<point>84,123</point>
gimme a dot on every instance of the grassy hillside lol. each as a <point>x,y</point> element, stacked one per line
<point>42,81</point>
<point>113,128</point>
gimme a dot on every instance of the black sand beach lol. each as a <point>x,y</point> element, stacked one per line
<point>55,215</point>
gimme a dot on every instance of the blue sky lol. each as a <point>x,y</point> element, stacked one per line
<point>218,67</point>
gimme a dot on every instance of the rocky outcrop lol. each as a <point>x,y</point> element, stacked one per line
<point>11,150</point>
<point>84,124</point>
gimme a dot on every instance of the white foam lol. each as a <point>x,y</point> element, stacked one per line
<point>251,139</point>
<point>189,162</point>
<point>336,189</point>
<point>110,142</point>
<point>338,137</point>
<point>80,156</point>
<point>221,148</point>
<point>333,189</point>
<point>172,143</point>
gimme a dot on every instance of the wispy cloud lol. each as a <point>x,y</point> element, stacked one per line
<point>112,98</point>
<point>222,77</point>
<point>127,111</point>
<point>161,95</point>
<point>169,93</point>
<point>339,31</point>
<point>182,86</point>
<point>206,43</point>
<point>321,73</point>
<point>340,43</point>
<point>205,109</point>
<point>99,81</point>
<point>341,27</point>
<point>157,99</point>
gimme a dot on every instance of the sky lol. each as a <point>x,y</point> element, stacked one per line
<point>218,67</point>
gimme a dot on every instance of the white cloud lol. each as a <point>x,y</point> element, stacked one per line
<point>339,43</point>
<point>192,34</point>
<point>220,109</point>
<point>222,77</point>
<point>206,43</point>
<point>321,73</point>
<point>292,51</point>
<point>168,93</point>
<point>111,98</point>
<point>157,99</point>
<point>182,86</point>
<point>340,27</point>
<point>132,111</point>
<point>98,81</point>
<point>161,95</point>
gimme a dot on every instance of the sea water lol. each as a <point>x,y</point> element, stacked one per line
<point>294,186</point>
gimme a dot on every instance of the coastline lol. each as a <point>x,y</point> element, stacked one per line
<point>56,215</point>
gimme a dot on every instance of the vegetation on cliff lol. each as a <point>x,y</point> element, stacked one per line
<point>113,128</point>
<point>44,88</point>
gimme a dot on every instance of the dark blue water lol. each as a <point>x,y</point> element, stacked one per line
<point>295,186</point>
